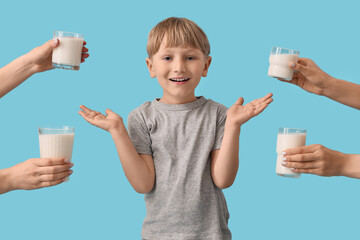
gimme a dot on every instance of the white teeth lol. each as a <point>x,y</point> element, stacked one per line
<point>179,79</point>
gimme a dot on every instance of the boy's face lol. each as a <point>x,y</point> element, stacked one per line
<point>178,71</point>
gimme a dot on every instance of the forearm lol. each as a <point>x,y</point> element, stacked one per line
<point>14,74</point>
<point>345,92</point>
<point>138,173</point>
<point>351,166</point>
<point>227,162</point>
<point>5,183</point>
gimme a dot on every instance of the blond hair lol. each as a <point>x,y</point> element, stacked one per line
<point>179,32</point>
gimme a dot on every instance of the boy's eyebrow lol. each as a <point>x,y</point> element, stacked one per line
<point>193,50</point>
<point>189,50</point>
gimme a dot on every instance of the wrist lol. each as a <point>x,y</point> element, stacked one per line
<point>232,126</point>
<point>118,131</point>
<point>6,184</point>
<point>329,86</point>
<point>351,166</point>
<point>27,65</point>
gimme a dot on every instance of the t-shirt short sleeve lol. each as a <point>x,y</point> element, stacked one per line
<point>139,133</point>
<point>220,126</point>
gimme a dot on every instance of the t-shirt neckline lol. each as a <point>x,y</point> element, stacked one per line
<point>176,107</point>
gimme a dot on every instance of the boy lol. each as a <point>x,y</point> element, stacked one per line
<point>181,149</point>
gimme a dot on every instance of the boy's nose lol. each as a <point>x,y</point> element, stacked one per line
<point>179,66</point>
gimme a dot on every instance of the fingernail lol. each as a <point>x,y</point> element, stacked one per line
<point>292,169</point>
<point>71,164</point>
<point>292,64</point>
<point>67,160</point>
<point>283,163</point>
<point>284,159</point>
<point>71,171</point>
<point>55,40</point>
<point>283,153</point>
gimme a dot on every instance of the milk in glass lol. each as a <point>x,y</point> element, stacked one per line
<point>279,63</point>
<point>288,138</point>
<point>56,145</point>
<point>68,54</point>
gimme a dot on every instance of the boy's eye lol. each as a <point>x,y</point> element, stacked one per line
<point>167,58</point>
<point>191,58</point>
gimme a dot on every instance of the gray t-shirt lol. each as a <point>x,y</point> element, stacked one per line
<point>184,204</point>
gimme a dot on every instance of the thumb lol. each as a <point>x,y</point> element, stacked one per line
<point>300,68</point>
<point>240,101</point>
<point>108,112</point>
<point>50,45</point>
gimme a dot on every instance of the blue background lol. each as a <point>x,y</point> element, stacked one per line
<point>98,202</point>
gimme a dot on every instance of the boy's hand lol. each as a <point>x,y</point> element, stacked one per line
<point>39,172</point>
<point>315,159</point>
<point>111,122</point>
<point>239,114</point>
<point>309,76</point>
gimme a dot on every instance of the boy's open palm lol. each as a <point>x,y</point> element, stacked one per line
<point>239,114</point>
<point>109,122</point>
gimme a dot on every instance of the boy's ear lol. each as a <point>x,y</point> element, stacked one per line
<point>207,65</point>
<point>150,67</point>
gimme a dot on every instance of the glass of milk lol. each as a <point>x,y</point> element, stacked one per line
<point>68,54</point>
<point>279,62</point>
<point>288,138</point>
<point>56,142</point>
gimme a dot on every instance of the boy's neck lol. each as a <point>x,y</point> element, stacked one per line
<point>177,100</point>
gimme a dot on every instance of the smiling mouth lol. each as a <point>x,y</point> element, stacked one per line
<point>179,79</point>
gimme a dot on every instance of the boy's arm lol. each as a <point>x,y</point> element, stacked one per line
<point>225,162</point>
<point>225,167</point>
<point>139,169</point>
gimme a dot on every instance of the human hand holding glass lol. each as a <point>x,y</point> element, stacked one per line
<point>319,160</point>
<point>40,58</point>
<point>309,76</point>
<point>37,60</point>
<point>35,173</point>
